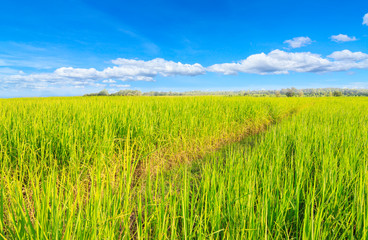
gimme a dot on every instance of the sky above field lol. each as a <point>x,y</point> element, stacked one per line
<point>73,47</point>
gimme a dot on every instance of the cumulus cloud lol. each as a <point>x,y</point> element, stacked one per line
<point>365,19</point>
<point>155,67</point>
<point>124,70</point>
<point>281,62</point>
<point>135,70</point>
<point>275,62</point>
<point>298,42</point>
<point>342,38</point>
<point>346,55</point>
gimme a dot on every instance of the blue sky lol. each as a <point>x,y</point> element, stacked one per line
<point>72,47</point>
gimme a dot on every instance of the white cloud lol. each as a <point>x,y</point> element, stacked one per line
<point>3,63</point>
<point>8,71</point>
<point>342,38</point>
<point>155,67</point>
<point>346,55</point>
<point>281,62</point>
<point>365,19</point>
<point>275,62</point>
<point>357,85</point>
<point>124,70</point>
<point>120,85</point>
<point>298,42</point>
<point>109,81</point>
<point>83,73</point>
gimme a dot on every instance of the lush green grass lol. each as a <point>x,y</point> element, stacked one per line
<point>87,168</point>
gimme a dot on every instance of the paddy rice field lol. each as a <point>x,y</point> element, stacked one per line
<point>211,167</point>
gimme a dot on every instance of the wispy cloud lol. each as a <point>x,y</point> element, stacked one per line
<point>148,46</point>
<point>342,38</point>
<point>298,42</point>
<point>357,85</point>
<point>109,81</point>
<point>365,19</point>
<point>120,85</point>
<point>281,62</point>
<point>26,55</point>
<point>3,63</point>
<point>9,71</point>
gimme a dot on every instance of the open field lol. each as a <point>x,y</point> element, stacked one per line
<point>183,168</point>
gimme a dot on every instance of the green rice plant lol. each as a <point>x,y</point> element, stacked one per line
<point>304,178</point>
<point>86,167</point>
<point>183,168</point>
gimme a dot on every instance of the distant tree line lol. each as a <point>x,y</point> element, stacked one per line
<point>286,92</point>
<point>120,93</point>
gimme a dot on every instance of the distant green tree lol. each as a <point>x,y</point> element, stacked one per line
<point>337,94</point>
<point>290,93</point>
<point>127,92</point>
<point>103,93</point>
